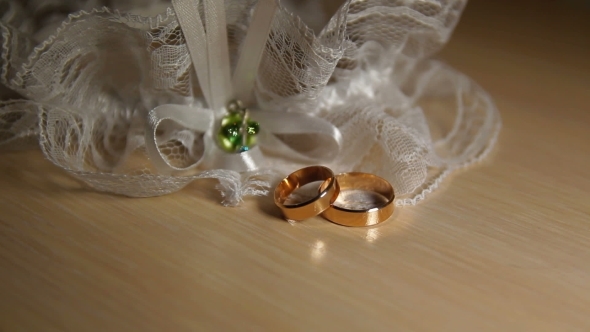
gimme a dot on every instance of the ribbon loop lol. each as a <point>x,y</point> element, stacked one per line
<point>197,119</point>
<point>321,139</point>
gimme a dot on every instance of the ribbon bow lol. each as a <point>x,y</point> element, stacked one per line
<point>208,49</point>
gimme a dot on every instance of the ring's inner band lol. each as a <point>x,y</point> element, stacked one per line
<point>359,200</point>
<point>362,192</point>
<point>300,178</point>
<point>364,200</point>
<point>306,192</point>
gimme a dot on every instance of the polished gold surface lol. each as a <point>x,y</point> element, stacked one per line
<point>364,200</point>
<point>310,208</point>
<point>502,246</point>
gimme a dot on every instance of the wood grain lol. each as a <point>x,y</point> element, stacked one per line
<point>504,246</point>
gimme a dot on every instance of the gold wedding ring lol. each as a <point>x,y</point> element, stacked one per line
<point>327,193</point>
<point>356,190</point>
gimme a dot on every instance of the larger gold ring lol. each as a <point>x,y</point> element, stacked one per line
<point>366,213</point>
<point>326,195</point>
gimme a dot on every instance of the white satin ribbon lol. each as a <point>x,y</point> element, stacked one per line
<point>208,48</point>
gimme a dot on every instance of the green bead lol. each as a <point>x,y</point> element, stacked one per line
<point>230,137</point>
<point>253,128</point>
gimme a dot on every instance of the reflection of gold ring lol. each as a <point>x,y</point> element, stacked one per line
<point>354,188</point>
<point>322,201</point>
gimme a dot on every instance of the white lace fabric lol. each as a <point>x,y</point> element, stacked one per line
<point>88,79</point>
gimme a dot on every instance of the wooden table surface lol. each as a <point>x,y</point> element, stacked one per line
<point>504,246</point>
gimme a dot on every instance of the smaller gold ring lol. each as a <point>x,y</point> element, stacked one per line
<point>326,196</point>
<point>370,215</point>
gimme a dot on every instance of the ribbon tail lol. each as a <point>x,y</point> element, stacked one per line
<point>192,118</point>
<point>218,54</point>
<point>303,136</point>
<point>252,50</point>
<point>190,22</point>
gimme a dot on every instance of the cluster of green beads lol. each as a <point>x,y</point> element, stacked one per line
<point>237,132</point>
